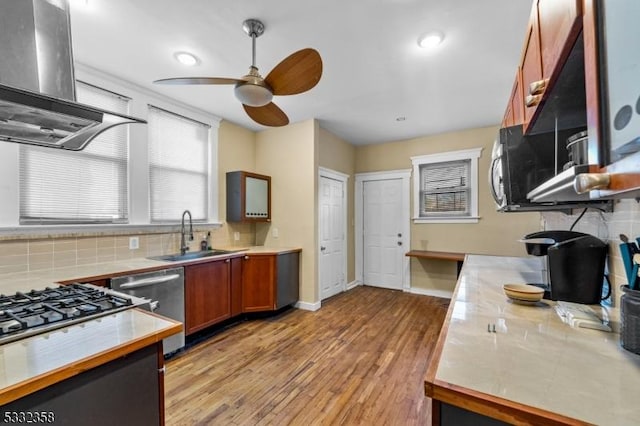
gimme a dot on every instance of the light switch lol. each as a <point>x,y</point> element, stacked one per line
<point>236,236</point>
<point>274,232</point>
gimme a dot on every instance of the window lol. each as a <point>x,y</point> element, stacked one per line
<point>178,166</point>
<point>88,186</point>
<point>446,187</point>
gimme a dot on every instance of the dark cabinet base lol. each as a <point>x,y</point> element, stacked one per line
<point>122,392</point>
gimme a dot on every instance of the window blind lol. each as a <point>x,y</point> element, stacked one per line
<point>178,166</point>
<point>445,188</point>
<point>88,186</point>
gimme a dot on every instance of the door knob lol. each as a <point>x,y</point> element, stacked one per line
<point>322,248</point>
<point>399,243</point>
<point>399,235</point>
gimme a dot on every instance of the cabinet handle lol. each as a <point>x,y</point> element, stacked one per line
<point>227,260</point>
<point>586,182</point>
<point>537,87</point>
<point>246,258</point>
<point>532,100</point>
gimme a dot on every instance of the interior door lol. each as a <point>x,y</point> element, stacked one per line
<point>382,233</point>
<point>332,237</point>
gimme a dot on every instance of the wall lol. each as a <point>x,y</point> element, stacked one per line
<point>339,155</point>
<point>236,151</point>
<point>495,233</point>
<point>290,156</point>
<point>625,219</point>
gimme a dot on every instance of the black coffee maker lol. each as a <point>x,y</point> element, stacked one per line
<point>575,264</point>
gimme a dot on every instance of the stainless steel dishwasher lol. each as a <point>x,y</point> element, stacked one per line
<point>165,288</point>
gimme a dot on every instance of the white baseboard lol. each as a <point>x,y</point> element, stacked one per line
<point>430,292</point>
<point>353,284</point>
<point>306,306</point>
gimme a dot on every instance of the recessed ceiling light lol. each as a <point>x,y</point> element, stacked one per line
<point>430,40</point>
<point>186,58</point>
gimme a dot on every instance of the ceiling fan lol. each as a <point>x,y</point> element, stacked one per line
<point>295,74</point>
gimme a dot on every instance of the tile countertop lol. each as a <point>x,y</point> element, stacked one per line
<point>39,361</point>
<point>534,359</point>
<point>25,281</point>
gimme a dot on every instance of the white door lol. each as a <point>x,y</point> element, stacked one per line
<point>383,251</point>
<point>332,237</point>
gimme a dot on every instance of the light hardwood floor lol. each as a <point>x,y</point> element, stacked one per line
<point>359,360</point>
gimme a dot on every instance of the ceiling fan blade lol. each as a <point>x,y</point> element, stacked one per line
<point>198,80</point>
<point>297,73</point>
<point>268,115</point>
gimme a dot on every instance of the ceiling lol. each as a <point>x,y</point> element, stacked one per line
<point>373,69</point>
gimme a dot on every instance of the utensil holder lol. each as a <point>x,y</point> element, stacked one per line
<point>630,319</point>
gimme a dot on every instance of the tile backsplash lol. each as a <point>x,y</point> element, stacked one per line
<point>23,255</point>
<point>625,219</point>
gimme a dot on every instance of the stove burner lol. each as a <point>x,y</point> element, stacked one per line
<point>58,306</point>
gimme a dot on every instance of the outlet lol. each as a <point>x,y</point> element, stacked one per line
<point>236,236</point>
<point>274,232</point>
<point>134,243</point>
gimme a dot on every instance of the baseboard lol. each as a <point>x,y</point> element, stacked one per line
<point>353,284</point>
<point>306,306</point>
<point>430,292</point>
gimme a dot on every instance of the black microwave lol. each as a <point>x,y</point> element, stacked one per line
<point>520,163</point>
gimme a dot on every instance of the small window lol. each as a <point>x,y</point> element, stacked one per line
<point>178,166</point>
<point>79,187</point>
<point>446,187</point>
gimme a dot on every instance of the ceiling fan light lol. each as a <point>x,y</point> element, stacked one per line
<point>252,94</point>
<point>186,58</point>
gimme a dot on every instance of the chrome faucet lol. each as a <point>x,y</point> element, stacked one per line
<point>183,243</point>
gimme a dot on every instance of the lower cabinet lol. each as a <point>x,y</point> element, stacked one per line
<point>258,283</point>
<point>207,294</point>
<point>270,281</point>
<point>127,391</point>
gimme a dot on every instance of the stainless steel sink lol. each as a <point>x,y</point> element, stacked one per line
<point>177,257</point>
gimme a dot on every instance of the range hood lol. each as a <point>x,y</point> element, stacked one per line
<point>37,84</point>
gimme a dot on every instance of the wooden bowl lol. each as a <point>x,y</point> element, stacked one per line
<point>523,292</point>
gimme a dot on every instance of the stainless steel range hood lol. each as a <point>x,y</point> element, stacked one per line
<point>37,84</point>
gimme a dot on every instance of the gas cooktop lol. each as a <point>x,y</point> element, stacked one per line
<point>37,311</point>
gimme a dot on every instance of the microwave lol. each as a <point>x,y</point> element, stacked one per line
<point>521,163</point>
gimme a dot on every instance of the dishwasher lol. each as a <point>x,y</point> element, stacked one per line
<point>165,289</point>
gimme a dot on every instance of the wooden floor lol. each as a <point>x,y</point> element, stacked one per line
<point>359,360</point>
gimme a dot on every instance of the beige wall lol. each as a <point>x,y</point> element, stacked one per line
<point>495,233</point>
<point>339,155</point>
<point>290,156</point>
<point>236,151</point>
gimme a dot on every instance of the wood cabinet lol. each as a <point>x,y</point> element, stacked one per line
<point>553,29</point>
<point>514,113</point>
<point>207,294</point>
<point>248,197</point>
<point>270,281</point>
<point>258,283</point>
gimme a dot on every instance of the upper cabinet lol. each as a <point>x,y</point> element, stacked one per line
<point>248,197</point>
<point>552,32</point>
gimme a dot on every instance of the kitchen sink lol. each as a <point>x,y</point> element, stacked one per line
<point>177,257</point>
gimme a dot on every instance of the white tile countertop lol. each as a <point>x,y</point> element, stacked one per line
<point>533,359</point>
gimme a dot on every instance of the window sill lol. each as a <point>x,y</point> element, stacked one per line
<point>452,219</point>
<point>48,231</point>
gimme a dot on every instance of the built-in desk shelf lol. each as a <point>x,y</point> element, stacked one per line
<point>441,255</point>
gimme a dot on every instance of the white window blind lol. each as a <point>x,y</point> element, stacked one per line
<point>445,189</point>
<point>88,186</point>
<point>178,166</point>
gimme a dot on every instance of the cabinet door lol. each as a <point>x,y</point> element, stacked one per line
<point>207,294</point>
<point>517,104</point>
<point>559,23</point>
<point>531,69</point>
<point>258,283</point>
